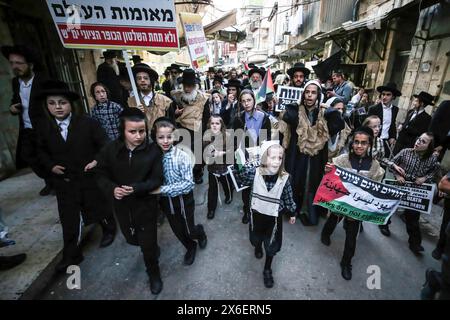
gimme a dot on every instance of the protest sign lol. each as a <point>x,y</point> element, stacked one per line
<point>97,24</point>
<point>195,39</point>
<point>287,95</point>
<point>419,197</point>
<point>357,197</point>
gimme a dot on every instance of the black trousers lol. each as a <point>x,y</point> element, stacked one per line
<point>27,154</point>
<point>445,220</point>
<point>412,227</point>
<point>445,290</point>
<point>213,190</point>
<point>246,201</point>
<point>351,232</point>
<point>183,225</point>
<point>79,199</point>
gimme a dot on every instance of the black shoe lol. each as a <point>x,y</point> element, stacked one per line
<point>325,239</point>
<point>10,262</point>
<point>416,248</point>
<point>431,285</point>
<point>229,199</point>
<point>62,266</point>
<point>346,271</point>
<point>46,190</point>
<point>384,229</point>
<point>211,214</point>
<point>304,220</point>
<point>268,278</point>
<point>156,283</point>
<point>437,254</point>
<point>258,252</point>
<point>189,257</point>
<point>107,239</point>
<point>245,219</point>
<point>203,241</point>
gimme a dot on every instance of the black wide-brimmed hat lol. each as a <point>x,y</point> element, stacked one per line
<point>109,54</point>
<point>189,77</point>
<point>142,67</point>
<point>136,57</point>
<point>256,70</point>
<point>211,69</point>
<point>21,50</point>
<point>391,87</point>
<point>425,97</point>
<point>176,67</point>
<point>298,67</point>
<point>57,88</point>
<point>233,83</point>
<point>218,79</point>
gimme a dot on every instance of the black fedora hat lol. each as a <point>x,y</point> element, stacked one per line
<point>256,70</point>
<point>109,54</point>
<point>211,69</point>
<point>425,97</point>
<point>218,79</point>
<point>176,67</point>
<point>189,77</point>
<point>391,87</point>
<point>136,57</point>
<point>233,83</point>
<point>298,67</point>
<point>142,67</point>
<point>21,50</point>
<point>57,88</point>
<point>252,65</point>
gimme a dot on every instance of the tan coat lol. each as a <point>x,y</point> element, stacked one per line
<point>158,108</point>
<point>192,115</point>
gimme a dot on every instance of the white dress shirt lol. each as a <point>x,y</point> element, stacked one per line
<point>415,114</point>
<point>64,126</point>
<point>147,98</point>
<point>387,120</point>
<point>24,92</point>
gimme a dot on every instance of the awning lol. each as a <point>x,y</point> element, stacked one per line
<point>370,23</point>
<point>226,21</point>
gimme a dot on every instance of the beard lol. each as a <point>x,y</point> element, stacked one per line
<point>189,98</point>
<point>255,84</point>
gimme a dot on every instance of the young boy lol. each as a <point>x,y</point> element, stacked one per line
<point>67,146</point>
<point>128,169</point>
<point>177,197</point>
<point>360,162</point>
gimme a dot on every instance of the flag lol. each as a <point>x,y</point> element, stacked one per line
<point>266,88</point>
<point>357,197</point>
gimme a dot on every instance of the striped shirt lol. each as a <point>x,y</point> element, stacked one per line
<point>178,174</point>
<point>108,115</point>
<point>415,167</point>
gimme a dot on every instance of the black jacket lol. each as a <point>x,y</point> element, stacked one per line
<point>377,110</point>
<point>141,169</point>
<point>413,129</point>
<point>85,139</point>
<point>36,109</point>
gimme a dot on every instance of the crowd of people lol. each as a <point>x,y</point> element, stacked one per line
<point>132,160</point>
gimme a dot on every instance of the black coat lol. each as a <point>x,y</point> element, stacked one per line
<point>85,139</point>
<point>440,125</point>
<point>228,116</point>
<point>413,129</point>
<point>107,76</point>
<point>377,110</point>
<point>141,169</point>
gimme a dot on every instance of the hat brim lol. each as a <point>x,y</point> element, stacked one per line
<point>251,72</point>
<point>293,70</point>
<point>425,100</point>
<point>152,73</point>
<point>394,91</point>
<point>72,96</point>
<point>227,85</point>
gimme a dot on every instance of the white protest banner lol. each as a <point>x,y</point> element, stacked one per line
<point>287,95</point>
<point>419,197</point>
<point>195,39</point>
<point>116,24</point>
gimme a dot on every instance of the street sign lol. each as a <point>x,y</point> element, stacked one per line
<point>195,39</point>
<point>115,24</point>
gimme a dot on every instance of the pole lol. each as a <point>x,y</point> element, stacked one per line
<point>132,80</point>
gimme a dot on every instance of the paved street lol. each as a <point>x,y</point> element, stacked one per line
<point>227,268</point>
